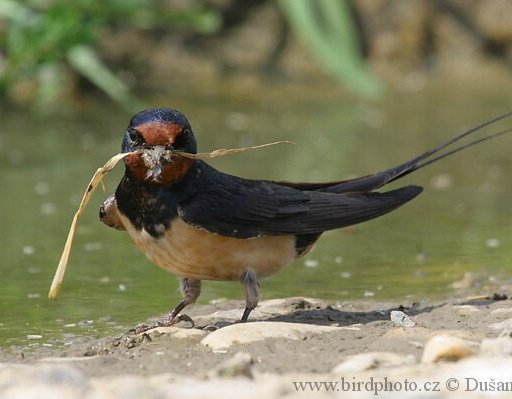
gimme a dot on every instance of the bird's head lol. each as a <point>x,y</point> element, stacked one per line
<point>158,135</point>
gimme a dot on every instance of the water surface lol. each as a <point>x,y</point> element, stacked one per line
<point>460,224</point>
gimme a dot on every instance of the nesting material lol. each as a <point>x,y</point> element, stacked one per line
<point>227,151</point>
<point>91,187</point>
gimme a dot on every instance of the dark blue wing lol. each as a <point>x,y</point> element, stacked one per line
<point>244,208</point>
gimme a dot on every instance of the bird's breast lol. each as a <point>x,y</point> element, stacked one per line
<point>188,251</point>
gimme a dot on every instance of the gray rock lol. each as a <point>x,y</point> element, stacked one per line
<point>177,332</point>
<point>497,346</point>
<point>401,319</point>
<point>244,333</point>
<point>447,347</point>
<point>465,310</point>
<point>502,312</point>
<point>240,365</point>
<point>44,381</point>
<point>372,360</point>
<point>502,325</point>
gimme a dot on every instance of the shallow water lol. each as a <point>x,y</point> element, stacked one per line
<point>461,223</point>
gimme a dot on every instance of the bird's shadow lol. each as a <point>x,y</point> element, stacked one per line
<point>325,314</point>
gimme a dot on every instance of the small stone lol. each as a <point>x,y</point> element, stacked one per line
<point>42,381</point>
<point>401,319</point>
<point>502,312</point>
<point>466,309</point>
<point>497,346</point>
<point>240,365</point>
<point>244,333</point>
<point>181,333</point>
<point>34,336</point>
<point>446,347</point>
<point>502,325</point>
<point>311,263</point>
<point>372,360</point>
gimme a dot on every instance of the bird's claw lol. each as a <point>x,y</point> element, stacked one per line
<point>165,321</point>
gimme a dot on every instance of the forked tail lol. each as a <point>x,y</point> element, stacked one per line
<point>377,180</point>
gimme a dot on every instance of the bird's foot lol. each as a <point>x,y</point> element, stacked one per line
<point>166,321</point>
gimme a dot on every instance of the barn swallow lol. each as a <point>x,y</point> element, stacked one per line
<point>202,224</point>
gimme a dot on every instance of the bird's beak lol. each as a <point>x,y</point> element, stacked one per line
<point>155,158</point>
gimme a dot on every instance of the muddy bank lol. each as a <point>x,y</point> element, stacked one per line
<point>289,341</point>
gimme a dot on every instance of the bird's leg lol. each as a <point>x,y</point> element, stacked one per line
<point>190,289</point>
<point>252,292</point>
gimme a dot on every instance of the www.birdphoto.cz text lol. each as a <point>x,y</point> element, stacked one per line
<point>377,386</point>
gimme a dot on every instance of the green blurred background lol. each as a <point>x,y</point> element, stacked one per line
<point>358,85</point>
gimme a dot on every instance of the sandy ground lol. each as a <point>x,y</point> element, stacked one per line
<point>288,340</point>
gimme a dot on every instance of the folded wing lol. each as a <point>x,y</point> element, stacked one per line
<point>249,208</point>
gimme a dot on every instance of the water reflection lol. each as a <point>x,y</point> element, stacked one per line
<point>459,225</point>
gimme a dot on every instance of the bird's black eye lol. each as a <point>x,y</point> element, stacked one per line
<point>135,136</point>
<point>181,142</point>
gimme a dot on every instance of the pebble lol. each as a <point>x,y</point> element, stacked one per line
<point>240,365</point>
<point>311,263</point>
<point>181,333</point>
<point>502,312</point>
<point>372,360</point>
<point>43,381</point>
<point>465,310</point>
<point>502,325</point>
<point>401,319</point>
<point>497,346</point>
<point>244,333</point>
<point>446,347</point>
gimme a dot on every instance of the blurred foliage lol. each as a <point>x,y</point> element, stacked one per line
<point>45,44</point>
<point>40,39</point>
<point>328,29</point>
